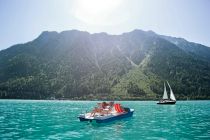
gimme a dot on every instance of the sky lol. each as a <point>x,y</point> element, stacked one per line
<point>24,20</point>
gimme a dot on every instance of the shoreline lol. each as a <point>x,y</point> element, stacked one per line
<point>98,100</point>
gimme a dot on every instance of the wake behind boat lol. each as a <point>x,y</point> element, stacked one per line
<point>106,112</point>
<point>165,99</point>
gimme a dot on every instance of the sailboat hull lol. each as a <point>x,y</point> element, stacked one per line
<point>166,102</point>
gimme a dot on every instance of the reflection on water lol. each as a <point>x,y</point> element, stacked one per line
<point>58,120</point>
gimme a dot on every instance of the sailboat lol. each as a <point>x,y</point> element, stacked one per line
<point>165,99</point>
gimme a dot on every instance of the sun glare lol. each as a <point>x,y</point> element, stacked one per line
<point>97,12</point>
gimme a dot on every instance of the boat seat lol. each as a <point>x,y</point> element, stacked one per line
<point>118,108</point>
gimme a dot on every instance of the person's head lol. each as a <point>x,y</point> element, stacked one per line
<point>111,103</point>
<point>104,103</point>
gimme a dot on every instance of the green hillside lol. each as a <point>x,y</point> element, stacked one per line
<point>78,65</point>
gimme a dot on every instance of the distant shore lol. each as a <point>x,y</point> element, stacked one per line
<point>103,99</point>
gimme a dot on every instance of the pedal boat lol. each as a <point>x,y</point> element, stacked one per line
<point>105,118</point>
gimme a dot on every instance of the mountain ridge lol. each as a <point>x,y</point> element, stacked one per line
<point>79,65</point>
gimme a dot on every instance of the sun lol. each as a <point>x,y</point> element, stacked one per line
<point>98,12</point>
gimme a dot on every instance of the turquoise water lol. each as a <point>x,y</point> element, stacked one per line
<point>28,119</point>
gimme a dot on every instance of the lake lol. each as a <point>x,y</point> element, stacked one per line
<point>31,119</point>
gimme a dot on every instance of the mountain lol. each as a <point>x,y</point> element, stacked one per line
<point>79,65</point>
<point>192,48</point>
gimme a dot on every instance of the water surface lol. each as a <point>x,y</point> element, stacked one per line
<point>27,119</point>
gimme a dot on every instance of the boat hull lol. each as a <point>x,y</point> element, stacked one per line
<point>108,118</point>
<point>167,103</point>
<point>118,117</point>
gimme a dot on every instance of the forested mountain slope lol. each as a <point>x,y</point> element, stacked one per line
<point>79,65</point>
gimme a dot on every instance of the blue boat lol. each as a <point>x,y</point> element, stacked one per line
<point>107,117</point>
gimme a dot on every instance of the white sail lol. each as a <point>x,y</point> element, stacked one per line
<point>172,97</point>
<point>165,95</point>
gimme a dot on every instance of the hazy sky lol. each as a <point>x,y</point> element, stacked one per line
<point>23,20</point>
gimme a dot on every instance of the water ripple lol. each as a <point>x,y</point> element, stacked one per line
<point>22,119</point>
